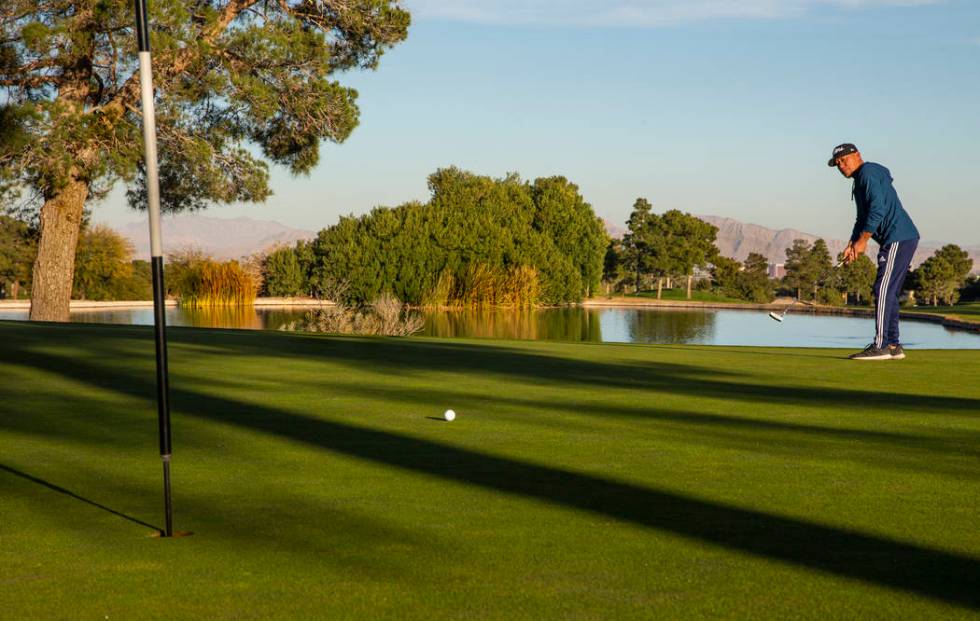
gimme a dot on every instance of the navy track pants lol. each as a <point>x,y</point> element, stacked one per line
<point>894,262</point>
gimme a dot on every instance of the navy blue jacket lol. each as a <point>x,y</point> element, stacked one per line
<point>879,211</point>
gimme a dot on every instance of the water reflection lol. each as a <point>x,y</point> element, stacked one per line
<point>620,325</point>
<point>237,317</point>
<point>673,326</point>
<point>561,324</point>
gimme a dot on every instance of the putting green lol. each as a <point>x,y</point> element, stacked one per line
<point>578,480</point>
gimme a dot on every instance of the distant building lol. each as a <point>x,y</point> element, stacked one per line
<point>777,270</point>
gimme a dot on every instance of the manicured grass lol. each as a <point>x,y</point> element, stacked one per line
<point>967,311</point>
<point>594,481</point>
<point>696,296</point>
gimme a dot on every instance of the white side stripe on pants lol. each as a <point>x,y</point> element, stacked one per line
<point>882,302</point>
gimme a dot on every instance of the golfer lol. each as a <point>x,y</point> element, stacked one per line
<point>881,217</point>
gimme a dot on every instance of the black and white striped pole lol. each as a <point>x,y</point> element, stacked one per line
<point>156,252</point>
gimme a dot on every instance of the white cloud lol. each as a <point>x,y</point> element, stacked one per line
<point>640,13</point>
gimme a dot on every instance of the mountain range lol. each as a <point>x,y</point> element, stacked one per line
<point>737,239</point>
<point>222,238</point>
<point>233,238</point>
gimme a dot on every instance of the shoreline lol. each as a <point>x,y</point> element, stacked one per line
<point>916,315</point>
<point>77,305</point>
<point>618,302</point>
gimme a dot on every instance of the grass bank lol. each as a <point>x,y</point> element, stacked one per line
<point>967,311</point>
<point>680,295</point>
<point>579,481</point>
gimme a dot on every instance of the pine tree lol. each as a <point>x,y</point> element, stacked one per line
<point>238,83</point>
<point>637,240</point>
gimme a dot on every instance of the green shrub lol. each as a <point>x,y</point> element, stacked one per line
<point>477,241</point>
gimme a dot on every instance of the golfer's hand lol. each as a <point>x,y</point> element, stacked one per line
<point>849,254</point>
<point>858,247</point>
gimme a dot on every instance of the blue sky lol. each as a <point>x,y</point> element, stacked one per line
<point>722,107</point>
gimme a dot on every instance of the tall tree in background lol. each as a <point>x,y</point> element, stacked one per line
<point>796,266</point>
<point>660,259</point>
<point>725,272</point>
<point>753,281</point>
<point>229,74</point>
<point>856,278</point>
<point>962,264</point>
<point>807,267</point>
<point>614,264</point>
<point>688,241</point>
<point>940,277</point>
<point>820,266</point>
<point>637,241</point>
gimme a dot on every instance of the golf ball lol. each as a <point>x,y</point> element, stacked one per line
<point>449,415</point>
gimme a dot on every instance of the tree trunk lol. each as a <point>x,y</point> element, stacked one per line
<point>660,285</point>
<point>689,279</point>
<point>61,220</point>
<point>14,289</point>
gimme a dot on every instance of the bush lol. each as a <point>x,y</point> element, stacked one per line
<point>385,316</point>
<point>830,297</point>
<point>477,241</point>
<point>282,274</point>
<point>103,265</point>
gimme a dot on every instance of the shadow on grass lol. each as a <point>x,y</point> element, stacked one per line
<point>415,356</point>
<point>942,575</point>
<point>955,456</point>
<point>61,490</point>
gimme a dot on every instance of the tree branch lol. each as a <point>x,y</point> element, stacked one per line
<point>129,91</point>
<point>34,81</point>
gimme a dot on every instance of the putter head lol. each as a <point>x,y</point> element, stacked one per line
<point>776,316</point>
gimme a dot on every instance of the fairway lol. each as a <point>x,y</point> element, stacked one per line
<point>579,481</point>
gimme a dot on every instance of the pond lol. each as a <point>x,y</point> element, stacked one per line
<point>616,325</point>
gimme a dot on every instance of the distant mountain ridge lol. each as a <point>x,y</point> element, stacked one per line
<point>222,238</point>
<point>737,239</point>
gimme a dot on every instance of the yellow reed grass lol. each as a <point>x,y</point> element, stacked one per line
<point>482,285</point>
<point>205,282</point>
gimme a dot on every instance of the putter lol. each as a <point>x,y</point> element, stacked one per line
<point>780,316</point>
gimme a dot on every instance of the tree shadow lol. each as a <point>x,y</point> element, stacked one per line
<point>416,356</point>
<point>943,575</point>
<point>877,447</point>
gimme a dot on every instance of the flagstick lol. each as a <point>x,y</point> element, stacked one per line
<point>156,253</point>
